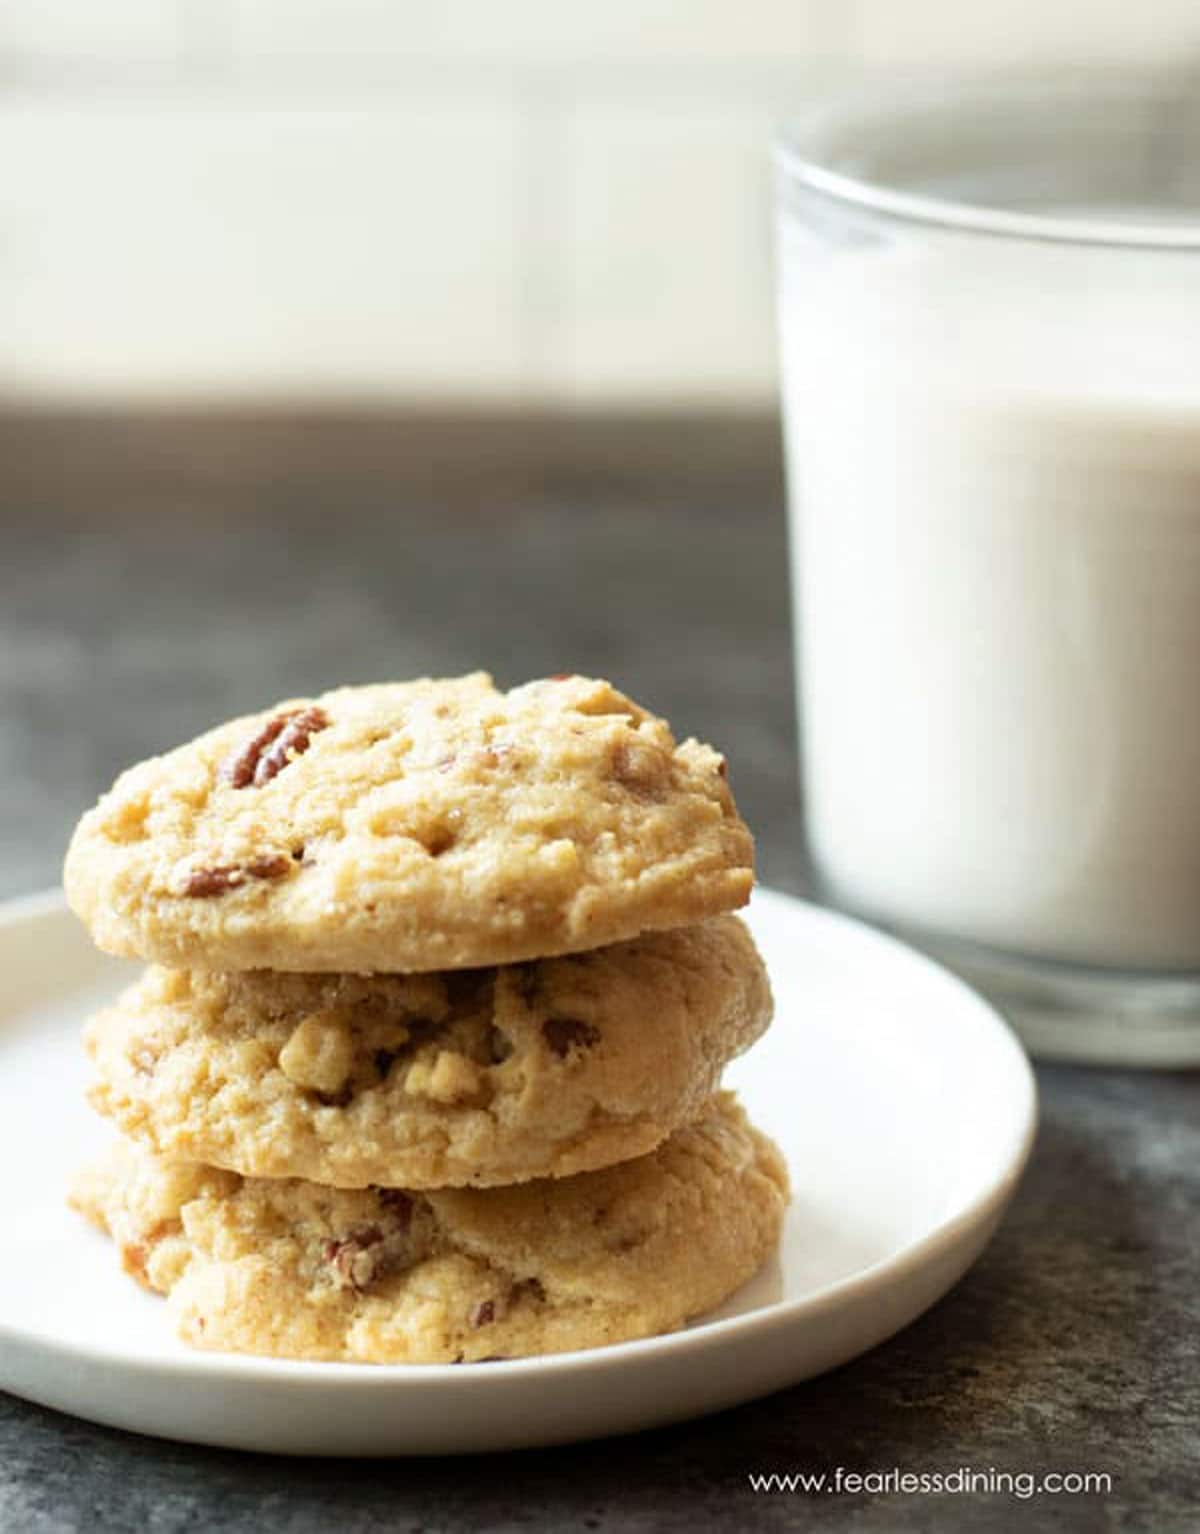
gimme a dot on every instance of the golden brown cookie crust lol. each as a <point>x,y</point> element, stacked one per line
<point>295,1270</point>
<point>479,1077</point>
<point>411,827</point>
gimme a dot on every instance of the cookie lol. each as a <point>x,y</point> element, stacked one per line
<point>411,827</point>
<point>422,1081</point>
<point>296,1270</point>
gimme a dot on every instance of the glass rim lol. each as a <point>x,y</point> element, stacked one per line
<point>797,145</point>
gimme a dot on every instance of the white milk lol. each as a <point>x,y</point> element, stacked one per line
<point>995,451</point>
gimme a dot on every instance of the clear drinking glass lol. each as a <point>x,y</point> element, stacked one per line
<point>990,327</point>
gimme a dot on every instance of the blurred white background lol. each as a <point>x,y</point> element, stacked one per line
<point>448,200</point>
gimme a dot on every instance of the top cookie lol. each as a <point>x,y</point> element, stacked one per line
<point>412,826</point>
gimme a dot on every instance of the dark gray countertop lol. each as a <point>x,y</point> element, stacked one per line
<point>143,604</point>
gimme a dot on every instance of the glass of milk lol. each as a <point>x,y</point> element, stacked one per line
<point>990,323</point>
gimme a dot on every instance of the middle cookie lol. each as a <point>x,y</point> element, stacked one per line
<point>479,1077</point>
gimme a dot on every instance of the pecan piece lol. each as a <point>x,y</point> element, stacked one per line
<point>489,1311</point>
<point>355,1261</point>
<point>204,883</point>
<point>268,865</point>
<point>562,1034</point>
<point>278,742</point>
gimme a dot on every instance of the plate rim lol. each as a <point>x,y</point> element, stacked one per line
<point>984,1206</point>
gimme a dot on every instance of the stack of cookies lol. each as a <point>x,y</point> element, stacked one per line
<point>425,1065</point>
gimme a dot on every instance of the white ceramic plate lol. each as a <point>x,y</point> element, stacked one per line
<point>904,1105</point>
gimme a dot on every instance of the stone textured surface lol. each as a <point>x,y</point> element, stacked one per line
<point>132,623</point>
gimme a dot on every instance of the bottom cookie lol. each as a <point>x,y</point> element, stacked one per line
<point>297,1270</point>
